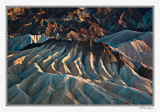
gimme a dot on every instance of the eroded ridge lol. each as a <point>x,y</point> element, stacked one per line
<point>74,72</point>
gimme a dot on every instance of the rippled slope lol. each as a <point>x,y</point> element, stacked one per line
<point>75,72</point>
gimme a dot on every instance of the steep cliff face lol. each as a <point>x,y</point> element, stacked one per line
<point>74,72</point>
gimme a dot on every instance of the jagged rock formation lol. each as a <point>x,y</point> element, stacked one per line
<point>52,20</point>
<point>136,46</point>
<point>92,22</point>
<point>74,72</point>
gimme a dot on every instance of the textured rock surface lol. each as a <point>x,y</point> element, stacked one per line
<point>65,56</point>
<point>92,22</point>
<point>136,46</point>
<point>74,72</point>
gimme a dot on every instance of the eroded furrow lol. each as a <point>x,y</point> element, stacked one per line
<point>64,72</point>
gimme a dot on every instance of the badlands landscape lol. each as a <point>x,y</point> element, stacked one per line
<point>79,56</point>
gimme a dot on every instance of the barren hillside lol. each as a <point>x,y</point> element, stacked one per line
<point>79,56</point>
